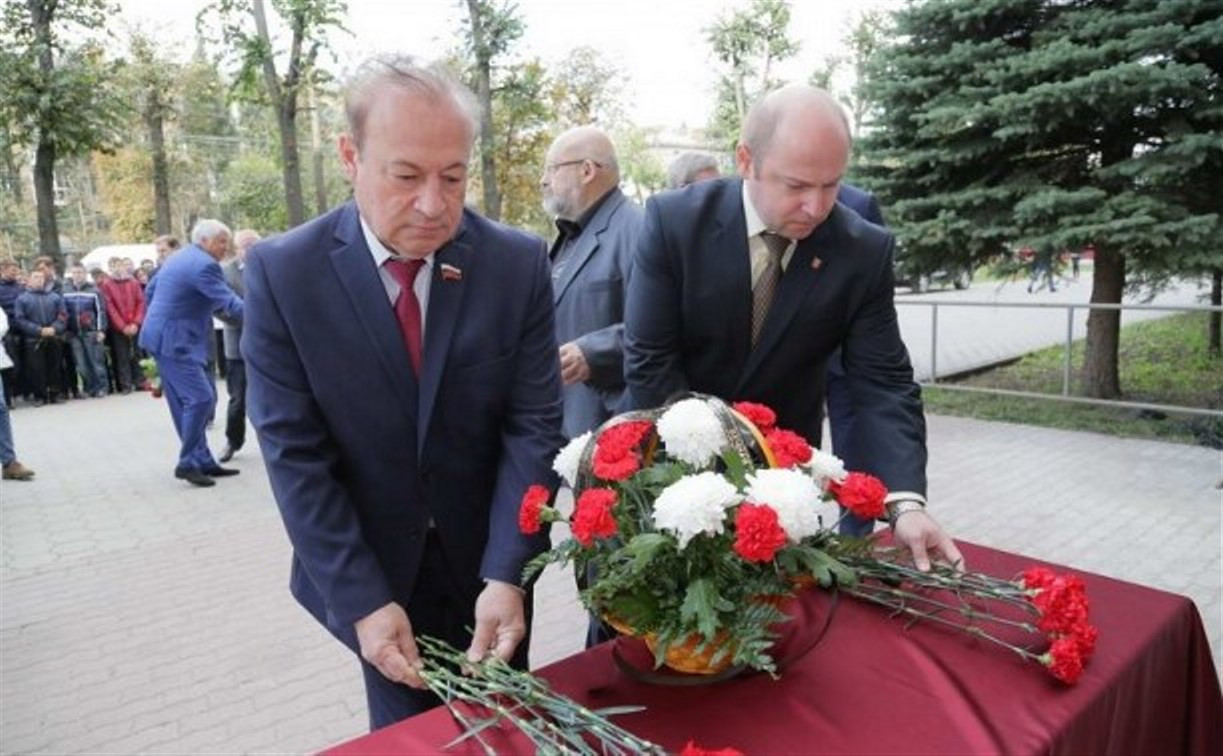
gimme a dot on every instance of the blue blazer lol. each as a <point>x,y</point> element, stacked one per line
<point>589,299</point>
<point>360,453</point>
<point>688,322</point>
<point>179,304</point>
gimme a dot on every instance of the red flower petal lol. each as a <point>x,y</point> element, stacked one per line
<point>758,534</point>
<point>861,494</point>
<point>531,511</point>
<point>760,416</point>
<point>592,517</point>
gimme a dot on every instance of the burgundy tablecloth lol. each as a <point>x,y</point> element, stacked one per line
<point>873,685</point>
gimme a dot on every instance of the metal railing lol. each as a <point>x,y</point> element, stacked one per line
<point>1065,395</point>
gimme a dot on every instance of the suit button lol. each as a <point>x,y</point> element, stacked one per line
<point>425,475</point>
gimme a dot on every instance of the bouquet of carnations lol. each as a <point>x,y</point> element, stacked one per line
<point>696,522</point>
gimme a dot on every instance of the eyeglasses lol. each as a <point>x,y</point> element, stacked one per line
<point>551,168</point>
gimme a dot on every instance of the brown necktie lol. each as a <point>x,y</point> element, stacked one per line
<point>407,307</point>
<point>766,285</point>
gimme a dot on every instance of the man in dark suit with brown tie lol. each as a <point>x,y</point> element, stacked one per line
<point>743,288</point>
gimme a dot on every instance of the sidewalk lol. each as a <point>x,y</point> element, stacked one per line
<point>974,337</point>
<point>139,614</point>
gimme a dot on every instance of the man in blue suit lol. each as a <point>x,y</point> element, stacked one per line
<point>402,377</point>
<point>840,408</point>
<point>177,331</point>
<point>591,260</point>
<point>744,288</point>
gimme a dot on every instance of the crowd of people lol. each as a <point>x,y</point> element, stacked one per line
<point>77,336</point>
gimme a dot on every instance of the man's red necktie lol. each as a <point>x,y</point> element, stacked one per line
<point>407,307</point>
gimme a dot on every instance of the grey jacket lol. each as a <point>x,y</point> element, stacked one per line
<point>589,296</point>
<point>232,271</point>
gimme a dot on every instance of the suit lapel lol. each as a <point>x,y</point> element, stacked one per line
<point>445,302</point>
<point>586,245</point>
<point>799,282</point>
<point>726,261</point>
<point>354,268</point>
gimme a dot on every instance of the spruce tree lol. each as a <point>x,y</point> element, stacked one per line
<point>1055,123</point>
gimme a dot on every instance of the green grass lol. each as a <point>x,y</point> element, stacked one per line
<point>1163,361</point>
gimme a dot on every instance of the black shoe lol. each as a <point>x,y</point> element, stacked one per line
<point>220,472</point>
<point>194,477</point>
<point>228,453</point>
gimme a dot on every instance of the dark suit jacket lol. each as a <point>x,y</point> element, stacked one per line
<point>589,298</point>
<point>360,453</point>
<point>179,306</point>
<point>861,202</point>
<point>687,324</point>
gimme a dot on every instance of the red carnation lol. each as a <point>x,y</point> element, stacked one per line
<point>616,456</point>
<point>1085,637</point>
<point>760,416</point>
<point>789,448</point>
<point>758,534</point>
<point>1062,604</point>
<point>1064,660</point>
<point>530,513</point>
<point>692,749</point>
<point>592,517</point>
<point>1037,577</point>
<point>861,494</point>
<point>626,435</point>
<point>614,463</point>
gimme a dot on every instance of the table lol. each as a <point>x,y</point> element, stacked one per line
<point>873,685</point>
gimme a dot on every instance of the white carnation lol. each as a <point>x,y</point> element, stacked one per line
<point>568,459</point>
<point>825,467</point>
<point>691,433</point>
<point>793,494</point>
<point>693,505</point>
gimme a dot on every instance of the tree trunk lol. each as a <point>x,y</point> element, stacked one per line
<point>484,91</point>
<point>316,154</point>
<point>1100,374</point>
<point>1216,299</point>
<point>161,171</point>
<point>287,120</point>
<point>44,195</point>
<point>44,154</point>
<point>284,100</point>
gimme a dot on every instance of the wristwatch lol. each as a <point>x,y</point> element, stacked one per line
<point>897,508</point>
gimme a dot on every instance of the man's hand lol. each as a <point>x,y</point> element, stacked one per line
<point>99,337</point>
<point>386,640</point>
<point>47,331</point>
<point>500,622</point>
<point>574,368</point>
<point>921,535</point>
<point>130,329</point>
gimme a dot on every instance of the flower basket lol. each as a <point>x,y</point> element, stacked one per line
<point>686,516</point>
<point>697,523</point>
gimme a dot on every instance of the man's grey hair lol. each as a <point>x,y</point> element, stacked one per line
<point>398,70</point>
<point>760,125</point>
<point>685,168</point>
<point>208,228</point>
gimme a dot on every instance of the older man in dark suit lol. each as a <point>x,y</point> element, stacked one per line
<point>743,288</point>
<point>403,381</point>
<point>177,331</point>
<point>591,260</point>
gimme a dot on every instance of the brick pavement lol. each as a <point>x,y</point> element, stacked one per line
<point>138,614</point>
